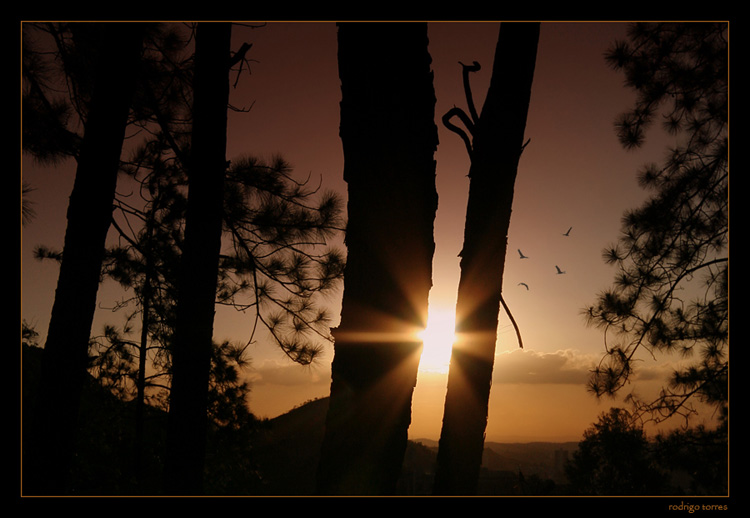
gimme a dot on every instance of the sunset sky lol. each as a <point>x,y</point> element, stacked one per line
<point>572,174</point>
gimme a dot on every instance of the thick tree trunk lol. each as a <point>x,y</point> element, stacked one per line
<point>52,440</point>
<point>498,142</point>
<point>389,139</point>
<point>191,355</point>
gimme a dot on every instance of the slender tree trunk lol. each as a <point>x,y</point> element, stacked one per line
<point>497,146</point>
<point>389,138</point>
<point>191,355</point>
<point>65,361</point>
<point>140,400</point>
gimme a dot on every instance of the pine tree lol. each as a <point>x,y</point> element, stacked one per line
<point>104,85</point>
<point>671,291</point>
<point>614,459</point>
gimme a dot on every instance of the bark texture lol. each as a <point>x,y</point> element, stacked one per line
<point>389,139</point>
<point>497,146</point>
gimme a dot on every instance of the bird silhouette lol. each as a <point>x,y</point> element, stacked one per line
<point>568,232</point>
<point>524,285</point>
<point>521,254</point>
<point>559,271</point>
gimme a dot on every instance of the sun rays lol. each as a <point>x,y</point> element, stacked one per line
<point>438,338</point>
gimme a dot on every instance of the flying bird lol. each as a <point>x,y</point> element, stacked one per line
<point>521,254</point>
<point>568,232</point>
<point>524,285</point>
<point>559,271</point>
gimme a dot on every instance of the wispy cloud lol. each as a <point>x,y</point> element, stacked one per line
<point>272,372</point>
<point>528,366</point>
<point>524,366</point>
<point>567,366</point>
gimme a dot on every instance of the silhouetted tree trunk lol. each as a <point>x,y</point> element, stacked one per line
<point>191,356</point>
<point>140,399</point>
<point>117,48</point>
<point>389,138</point>
<point>497,146</point>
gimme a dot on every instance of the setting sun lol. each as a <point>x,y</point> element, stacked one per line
<point>438,338</point>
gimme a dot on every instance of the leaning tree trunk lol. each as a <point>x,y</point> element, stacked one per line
<point>389,139</point>
<point>497,145</point>
<point>52,439</point>
<point>191,353</point>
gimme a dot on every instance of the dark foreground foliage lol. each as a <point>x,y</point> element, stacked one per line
<point>279,457</point>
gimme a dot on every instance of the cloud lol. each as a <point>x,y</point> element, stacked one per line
<point>272,372</point>
<point>527,366</point>
<point>658,371</point>
<point>520,366</point>
<point>567,366</point>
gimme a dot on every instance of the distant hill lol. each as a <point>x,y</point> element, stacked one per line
<point>287,452</point>
<point>287,449</point>
<point>282,451</point>
<point>103,458</point>
<point>544,459</point>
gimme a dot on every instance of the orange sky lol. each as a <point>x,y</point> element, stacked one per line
<point>573,173</point>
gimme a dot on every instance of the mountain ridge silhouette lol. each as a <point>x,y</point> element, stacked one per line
<point>285,449</point>
<point>290,466</point>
